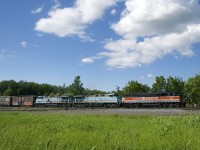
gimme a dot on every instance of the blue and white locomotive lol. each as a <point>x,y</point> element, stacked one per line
<point>52,101</point>
<point>106,100</point>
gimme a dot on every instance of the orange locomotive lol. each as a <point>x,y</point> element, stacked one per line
<point>161,98</point>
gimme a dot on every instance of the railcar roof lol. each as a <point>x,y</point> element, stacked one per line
<point>150,94</point>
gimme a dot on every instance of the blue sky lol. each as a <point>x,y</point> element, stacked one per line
<point>107,43</point>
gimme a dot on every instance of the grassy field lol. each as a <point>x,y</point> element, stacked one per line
<point>25,130</point>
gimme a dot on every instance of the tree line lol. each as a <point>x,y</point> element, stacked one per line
<point>190,89</point>
<point>13,88</point>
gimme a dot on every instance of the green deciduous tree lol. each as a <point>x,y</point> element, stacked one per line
<point>192,90</point>
<point>93,92</point>
<point>8,92</point>
<point>134,87</point>
<point>159,85</point>
<point>175,85</point>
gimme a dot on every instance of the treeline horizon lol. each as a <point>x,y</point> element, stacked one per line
<point>190,89</point>
<point>14,88</point>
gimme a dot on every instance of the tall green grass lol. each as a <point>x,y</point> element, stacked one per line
<point>39,131</point>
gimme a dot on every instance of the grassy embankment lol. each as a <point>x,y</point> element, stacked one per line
<point>19,130</point>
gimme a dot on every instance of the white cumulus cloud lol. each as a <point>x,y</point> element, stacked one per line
<point>151,29</point>
<point>56,5</point>
<point>72,21</point>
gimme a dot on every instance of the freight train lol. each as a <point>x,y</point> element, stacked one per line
<point>100,100</point>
